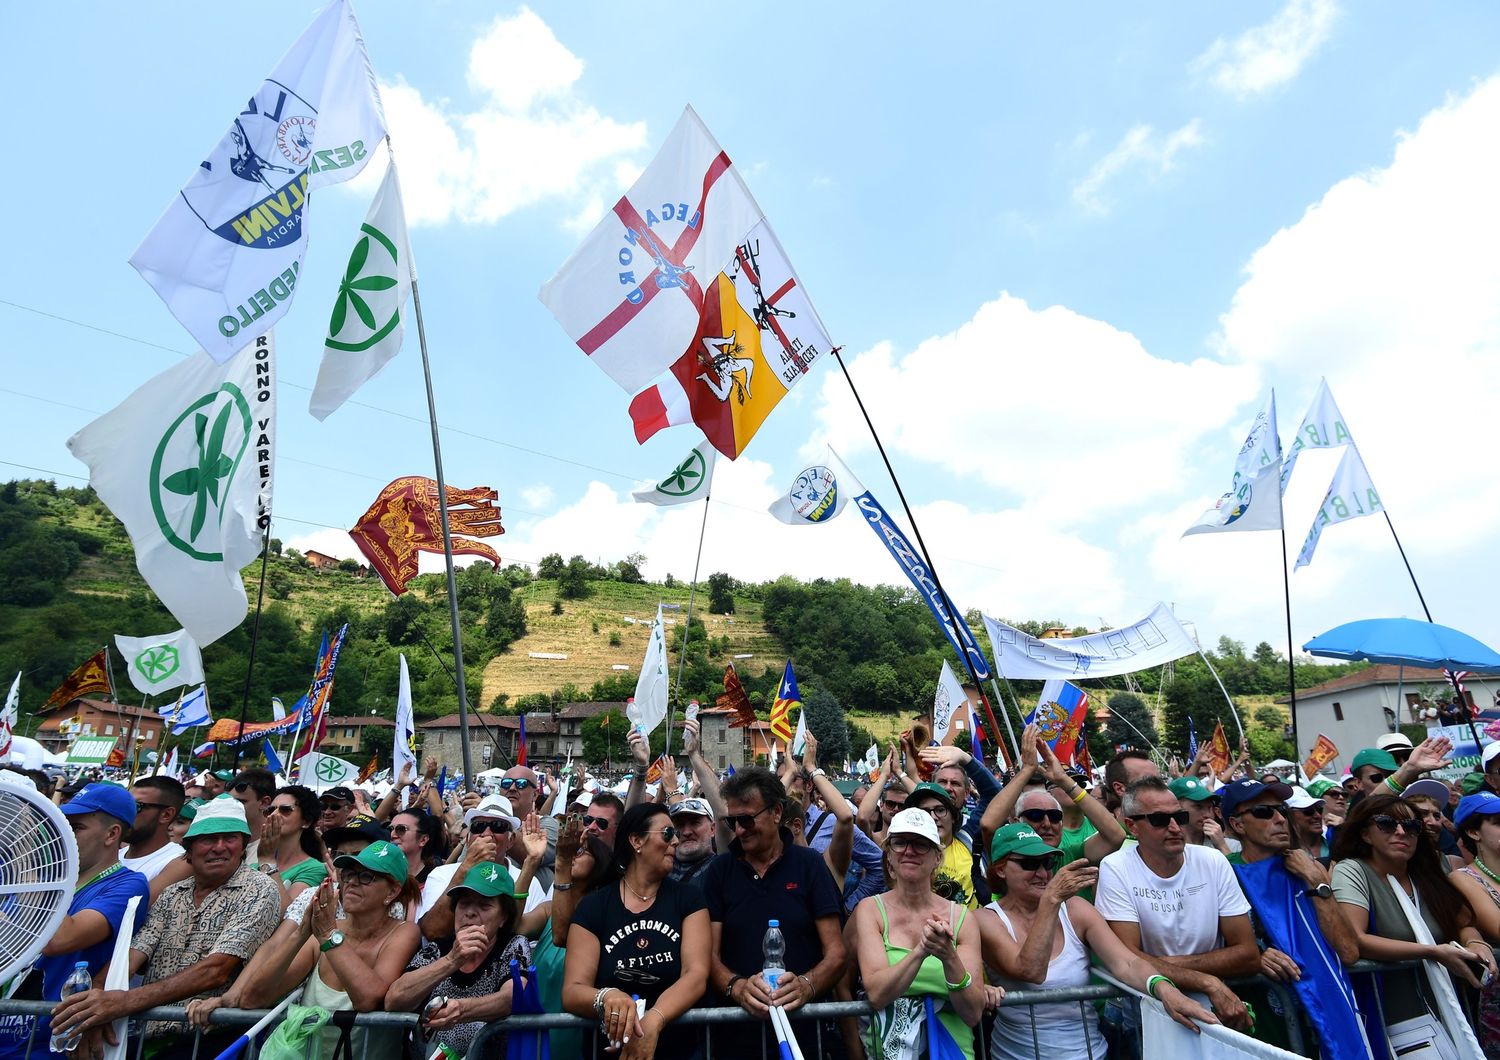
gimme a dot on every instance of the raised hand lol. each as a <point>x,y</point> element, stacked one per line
<point>1029,739</point>
<point>640,748</point>
<point>1073,877</point>
<point>1430,754</point>
<point>569,840</point>
<point>1051,767</point>
<point>810,752</point>
<point>533,838</point>
<point>947,755</point>
<point>430,767</point>
<point>690,737</point>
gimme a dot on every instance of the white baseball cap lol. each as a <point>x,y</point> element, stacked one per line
<point>494,806</point>
<point>1490,751</point>
<point>1301,800</point>
<point>915,822</point>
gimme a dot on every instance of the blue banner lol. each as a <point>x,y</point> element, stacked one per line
<point>910,561</point>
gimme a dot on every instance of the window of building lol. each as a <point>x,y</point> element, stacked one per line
<point>1338,712</point>
<point>109,730</point>
<point>722,762</point>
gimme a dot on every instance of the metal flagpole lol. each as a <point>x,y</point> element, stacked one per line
<point>688,621</point>
<point>1232,708</point>
<point>260,599</point>
<point>1286,599</point>
<point>916,532</point>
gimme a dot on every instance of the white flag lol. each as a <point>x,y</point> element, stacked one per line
<point>189,712</point>
<point>157,664</point>
<point>818,494</point>
<point>170,769</point>
<point>691,480</point>
<point>629,294</point>
<point>8,716</point>
<point>278,709</point>
<point>1350,495</point>
<point>649,707</point>
<point>405,750</point>
<point>320,771</point>
<point>227,253</point>
<point>185,463</point>
<point>872,761</point>
<point>946,703</point>
<point>1254,498</point>
<point>1322,428</point>
<point>799,738</point>
<point>367,324</point>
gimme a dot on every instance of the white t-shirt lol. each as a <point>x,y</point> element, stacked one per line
<point>1178,917</point>
<point>150,865</point>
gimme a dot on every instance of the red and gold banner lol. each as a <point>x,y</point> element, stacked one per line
<point>92,676</point>
<point>734,699</point>
<point>658,769</point>
<point>1219,755</point>
<point>405,521</point>
<point>1323,752</point>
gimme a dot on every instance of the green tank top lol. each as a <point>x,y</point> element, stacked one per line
<point>930,980</point>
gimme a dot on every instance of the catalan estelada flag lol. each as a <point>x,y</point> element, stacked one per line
<point>787,697</point>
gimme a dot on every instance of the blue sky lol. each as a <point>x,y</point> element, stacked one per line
<point>1066,250</point>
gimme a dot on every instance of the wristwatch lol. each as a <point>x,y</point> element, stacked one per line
<point>1322,890</point>
<point>335,939</point>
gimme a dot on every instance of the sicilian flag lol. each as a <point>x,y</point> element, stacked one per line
<point>521,743</point>
<point>1059,716</point>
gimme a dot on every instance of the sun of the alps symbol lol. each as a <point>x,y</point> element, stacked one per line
<point>329,769</point>
<point>159,662</point>
<point>184,497</point>
<point>371,268</point>
<point>685,478</point>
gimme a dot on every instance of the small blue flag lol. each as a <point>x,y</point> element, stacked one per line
<point>442,782</point>
<point>1192,739</point>
<point>272,762</point>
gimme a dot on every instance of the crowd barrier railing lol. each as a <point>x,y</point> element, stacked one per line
<point>721,1020</point>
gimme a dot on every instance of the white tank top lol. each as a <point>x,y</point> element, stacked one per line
<point>1064,1030</point>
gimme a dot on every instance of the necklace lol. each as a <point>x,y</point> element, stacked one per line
<point>639,897</point>
<point>1486,869</point>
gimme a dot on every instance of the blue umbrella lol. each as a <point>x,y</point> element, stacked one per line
<point>1405,642</point>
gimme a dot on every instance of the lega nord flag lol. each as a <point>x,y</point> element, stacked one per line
<point>1253,500</point>
<point>367,324</point>
<point>92,675</point>
<point>227,253</point>
<point>1350,495</point>
<point>758,336</point>
<point>319,771</point>
<point>8,717</point>
<point>157,664</point>
<point>632,295</point>
<point>1322,428</point>
<point>649,706</point>
<point>1059,716</point>
<point>185,463</point>
<point>690,480</point>
<point>787,696</point>
<point>404,752</point>
<point>818,493</point>
<point>406,520</point>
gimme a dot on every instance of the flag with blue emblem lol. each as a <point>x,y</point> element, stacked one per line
<point>1059,715</point>
<point>189,712</point>
<point>1253,500</point>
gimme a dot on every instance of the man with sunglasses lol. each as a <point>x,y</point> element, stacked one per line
<point>1305,938</point>
<point>1376,771</point>
<point>150,850</point>
<point>337,805</point>
<point>1176,903</point>
<point>522,787</point>
<point>254,788</point>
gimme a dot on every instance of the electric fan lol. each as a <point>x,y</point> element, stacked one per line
<point>38,871</point>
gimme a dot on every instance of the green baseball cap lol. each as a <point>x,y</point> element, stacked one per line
<point>1320,787</point>
<point>1019,839</point>
<point>380,856</point>
<point>226,775</point>
<point>188,810</point>
<point>929,788</point>
<point>1470,783</point>
<point>486,879</point>
<point>1190,788</point>
<point>1374,756</point>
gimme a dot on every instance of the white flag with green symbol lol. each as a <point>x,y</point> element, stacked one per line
<point>185,463</point>
<point>649,706</point>
<point>158,664</point>
<point>324,771</point>
<point>690,480</point>
<point>367,324</point>
<point>1253,501</point>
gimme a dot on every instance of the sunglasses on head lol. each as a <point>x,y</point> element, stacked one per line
<point>1041,861</point>
<point>1388,824</point>
<point>743,821</point>
<point>480,827</point>
<point>518,783</point>
<point>1261,813</point>
<point>1038,816</point>
<point>1161,820</point>
<point>285,811</point>
<point>601,823</point>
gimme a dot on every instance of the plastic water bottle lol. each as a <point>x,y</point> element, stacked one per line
<point>77,983</point>
<point>774,948</point>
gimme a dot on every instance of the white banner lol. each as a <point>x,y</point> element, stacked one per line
<point>1322,428</point>
<point>1350,495</point>
<point>404,751</point>
<point>1163,1036</point>
<point>649,707</point>
<point>227,252</point>
<point>1156,639</point>
<point>185,463</point>
<point>1253,501</point>
<point>945,704</point>
<point>8,715</point>
<point>156,664</point>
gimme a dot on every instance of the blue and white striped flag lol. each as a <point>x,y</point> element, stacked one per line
<point>189,712</point>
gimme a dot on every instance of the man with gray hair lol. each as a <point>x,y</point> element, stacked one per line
<point>1178,904</point>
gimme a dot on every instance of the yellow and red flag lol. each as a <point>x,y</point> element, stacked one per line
<point>91,676</point>
<point>1323,752</point>
<point>735,699</point>
<point>369,771</point>
<point>405,521</point>
<point>787,697</point>
<point>1219,755</point>
<point>658,769</point>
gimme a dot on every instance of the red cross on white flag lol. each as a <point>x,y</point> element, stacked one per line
<point>631,294</point>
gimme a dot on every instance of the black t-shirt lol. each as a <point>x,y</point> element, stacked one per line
<point>641,953</point>
<point>797,890</point>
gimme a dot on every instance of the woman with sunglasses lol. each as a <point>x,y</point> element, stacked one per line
<point>421,837</point>
<point>647,936</point>
<point>916,949</point>
<point>1039,934</point>
<point>346,962</point>
<point>1391,886</point>
<point>291,839</point>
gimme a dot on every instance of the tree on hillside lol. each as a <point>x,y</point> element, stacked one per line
<point>551,566</point>
<point>1194,694</point>
<point>573,583</point>
<point>1130,722</point>
<point>403,620</point>
<point>1266,656</point>
<point>720,594</point>
<point>825,720</point>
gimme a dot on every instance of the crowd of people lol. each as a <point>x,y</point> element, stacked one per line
<point>933,891</point>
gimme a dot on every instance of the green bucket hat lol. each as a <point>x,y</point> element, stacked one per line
<point>380,856</point>
<point>1190,788</point>
<point>1019,839</point>
<point>1374,756</point>
<point>218,816</point>
<point>486,879</point>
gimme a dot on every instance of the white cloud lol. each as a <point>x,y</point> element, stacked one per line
<point>335,543</point>
<point>531,138</point>
<point>535,497</point>
<point>1141,149</point>
<point>1272,54</point>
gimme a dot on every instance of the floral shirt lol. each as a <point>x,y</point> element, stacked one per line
<point>487,979</point>
<point>237,918</point>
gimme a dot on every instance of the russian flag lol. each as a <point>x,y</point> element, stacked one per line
<point>1059,716</point>
<point>976,735</point>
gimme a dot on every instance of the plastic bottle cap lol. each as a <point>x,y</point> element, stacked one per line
<point>774,924</point>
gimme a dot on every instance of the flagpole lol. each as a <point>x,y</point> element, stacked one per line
<point>489,733</point>
<point>953,619</point>
<point>1286,600</point>
<point>1232,708</point>
<point>688,621</point>
<point>260,599</point>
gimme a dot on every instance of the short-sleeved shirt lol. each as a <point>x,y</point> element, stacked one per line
<point>492,974</point>
<point>1178,917</point>
<point>107,895</point>
<point>238,918</point>
<point>1404,994</point>
<point>150,865</point>
<point>310,871</point>
<point>641,953</point>
<point>797,890</point>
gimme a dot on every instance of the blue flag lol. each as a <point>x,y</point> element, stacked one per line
<point>1192,739</point>
<point>442,782</point>
<point>272,762</point>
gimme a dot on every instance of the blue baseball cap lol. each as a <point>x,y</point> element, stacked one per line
<point>1480,804</point>
<point>103,797</point>
<point>1233,796</point>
